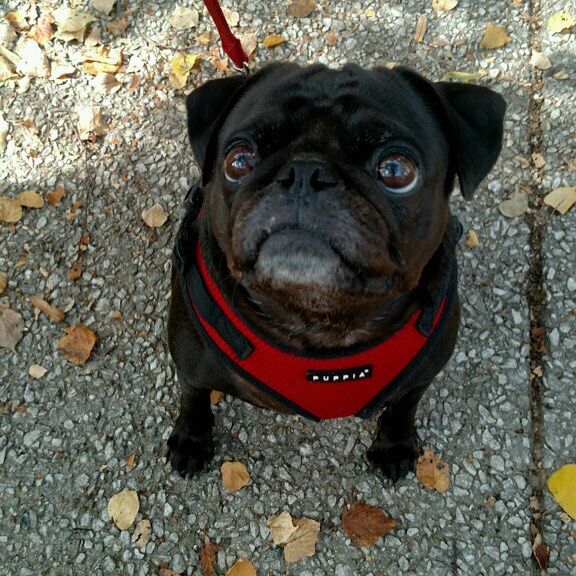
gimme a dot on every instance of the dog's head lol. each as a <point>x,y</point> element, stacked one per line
<point>328,189</point>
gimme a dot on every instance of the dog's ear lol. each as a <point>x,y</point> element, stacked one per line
<point>475,121</point>
<point>207,107</point>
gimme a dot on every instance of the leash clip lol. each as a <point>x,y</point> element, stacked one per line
<point>245,69</point>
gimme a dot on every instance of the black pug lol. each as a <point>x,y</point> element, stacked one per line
<point>315,270</point>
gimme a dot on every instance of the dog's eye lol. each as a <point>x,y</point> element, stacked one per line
<point>397,172</point>
<point>239,162</point>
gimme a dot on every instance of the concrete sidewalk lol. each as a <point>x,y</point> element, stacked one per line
<point>501,423</point>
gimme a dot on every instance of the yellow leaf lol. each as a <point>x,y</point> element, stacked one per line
<point>10,210</point>
<point>234,475</point>
<point>561,21</point>
<point>155,216</point>
<point>472,239</point>
<point>432,472</point>
<point>494,37</point>
<point>273,40</point>
<point>444,5</point>
<point>242,567</point>
<point>180,66</point>
<point>216,396</point>
<point>30,199</point>
<point>561,199</point>
<point>370,12</point>
<point>123,508</point>
<point>562,484</point>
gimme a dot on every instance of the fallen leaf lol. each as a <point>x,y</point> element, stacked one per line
<point>123,508</point>
<point>370,12</point>
<point>130,461</point>
<point>561,75</point>
<point>30,199</point>
<point>71,24</point>
<point>540,60</point>
<point>562,484</point>
<point>215,395</point>
<point>11,328</point>
<point>77,345</point>
<point>116,314</point>
<point>220,64</point>
<point>142,533</point>
<point>205,38</point>
<point>541,552</point>
<point>444,5</point>
<point>561,199</point>
<point>43,31</point>
<point>106,82</point>
<point>4,283</point>
<point>7,71</point>
<point>155,216</point>
<point>165,571</point>
<point>303,541</point>
<point>420,28</point>
<point>538,160</point>
<point>463,76</point>
<point>101,59</point>
<point>17,20</point>
<point>514,206</point>
<point>60,71</point>
<point>4,129</point>
<point>32,60</point>
<point>281,528</point>
<point>273,40</point>
<point>234,476</point>
<point>50,311</point>
<point>208,558</point>
<point>55,196</point>
<point>103,6</point>
<point>472,239</point>
<point>242,567</point>
<point>90,123</point>
<point>331,39</point>
<point>494,37</point>
<point>94,36</point>
<point>301,8</point>
<point>432,472</point>
<point>36,371</point>
<point>183,18</point>
<point>10,210</point>
<point>232,17</point>
<point>249,42</point>
<point>364,524</point>
<point>181,66</point>
<point>561,22</point>
<point>118,26</point>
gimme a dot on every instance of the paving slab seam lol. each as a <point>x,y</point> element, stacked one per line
<point>535,291</point>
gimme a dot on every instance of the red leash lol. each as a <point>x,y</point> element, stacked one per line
<point>231,45</point>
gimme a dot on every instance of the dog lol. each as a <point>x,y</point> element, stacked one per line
<point>315,268</point>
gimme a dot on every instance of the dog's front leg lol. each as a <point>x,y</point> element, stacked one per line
<point>191,447</point>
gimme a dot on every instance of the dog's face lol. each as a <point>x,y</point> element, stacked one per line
<point>327,190</point>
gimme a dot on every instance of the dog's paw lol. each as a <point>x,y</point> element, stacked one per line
<point>394,460</point>
<point>189,454</point>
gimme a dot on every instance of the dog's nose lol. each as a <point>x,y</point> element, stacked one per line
<point>299,176</point>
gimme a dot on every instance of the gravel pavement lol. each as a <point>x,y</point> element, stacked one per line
<point>501,413</point>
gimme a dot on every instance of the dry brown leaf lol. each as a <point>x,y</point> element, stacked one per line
<point>7,71</point>
<point>30,199</point>
<point>77,345</point>
<point>142,533</point>
<point>420,28</point>
<point>472,239</point>
<point>183,18</point>
<point>118,26</point>
<point>494,37</point>
<point>242,567</point>
<point>205,38</point>
<point>71,24</point>
<point>220,64</point>
<point>538,160</point>
<point>281,528</point>
<point>17,20</point>
<point>540,60</point>
<point>514,206</point>
<point>165,571</point>
<point>432,472</point>
<point>541,552</point>
<point>561,22</point>
<point>249,42</point>
<point>32,60</point>
<point>234,476</point>
<point>10,210</point>
<point>103,6</point>
<point>301,8</point>
<point>130,461</point>
<point>55,196</point>
<point>61,71</point>
<point>106,82</point>
<point>273,40</point>
<point>215,395</point>
<point>103,55</point>
<point>123,508</point>
<point>303,541</point>
<point>155,216</point>
<point>51,311</point>
<point>232,17</point>
<point>11,328</point>
<point>444,5</point>
<point>43,31</point>
<point>208,558</point>
<point>331,39</point>
<point>36,371</point>
<point>90,123</point>
<point>94,37</point>
<point>4,283</point>
<point>75,272</point>
<point>364,524</point>
<point>4,129</point>
<point>561,199</point>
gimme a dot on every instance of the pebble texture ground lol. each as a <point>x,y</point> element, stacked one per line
<point>64,438</point>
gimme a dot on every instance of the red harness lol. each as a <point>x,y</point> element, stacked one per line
<point>349,382</point>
